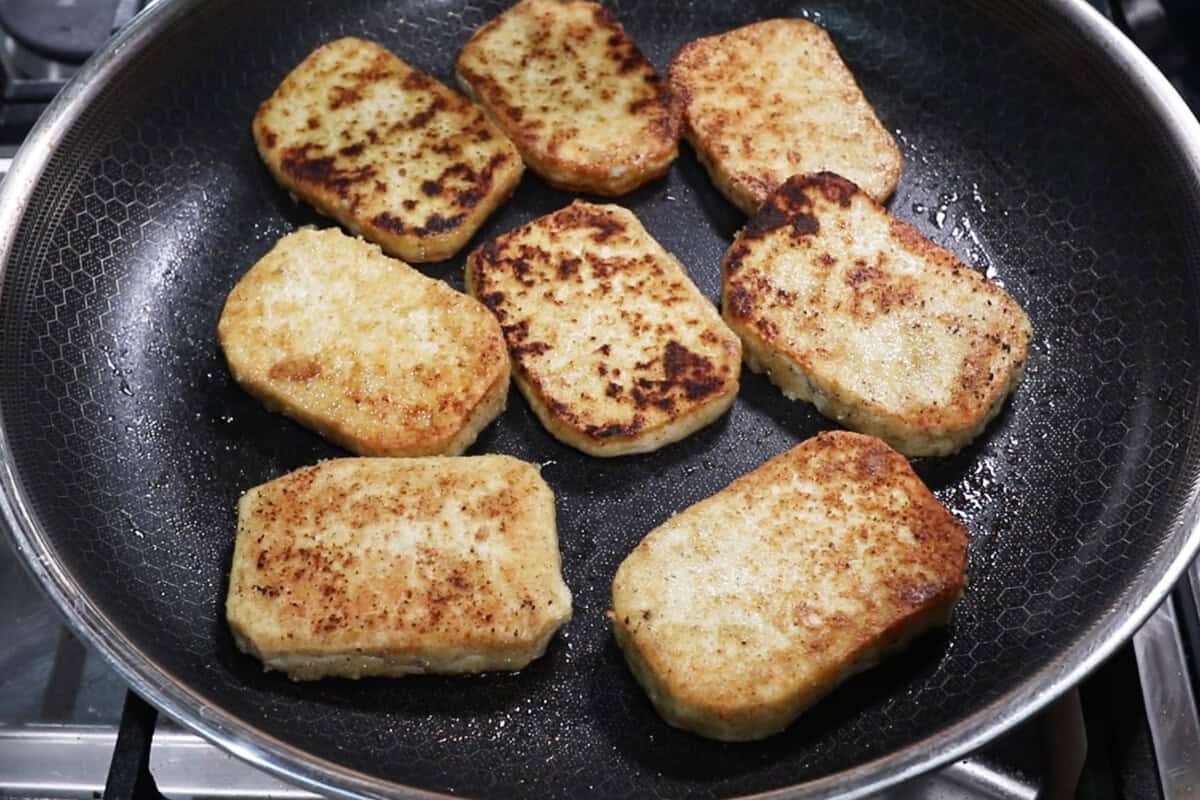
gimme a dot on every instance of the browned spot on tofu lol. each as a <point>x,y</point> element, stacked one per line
<point>303,165</point>
<point>303,369</point>
<point>788,206</point>
<point>422,118</point>
<point>418,81</point>
<point>389,222</point>
<point>862,274</point>
<point>740,301</point>
<point>439,224</point>
<point>341,96</point>
<point>568,267</point>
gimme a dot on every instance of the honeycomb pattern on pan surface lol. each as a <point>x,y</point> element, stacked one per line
<point>133,443</point>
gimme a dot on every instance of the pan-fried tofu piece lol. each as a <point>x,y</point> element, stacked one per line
<point>570,88</point>
<point>364,349</point>
<point>766,101</point>
<point>742,611</point>
<point>614,347</point>
<point>386,150</point>
<point>848,308</point>
<point>384,566</point>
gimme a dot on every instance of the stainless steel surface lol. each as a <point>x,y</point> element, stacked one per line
<point>297,766</point>
<point>976,778</point>
<point>1192,576</point>
<point>184,765</point>
<point>1064,738</point>
<point>1170,702</point>
<point>63,761</point>
<point>54,761</point>
<point>71,761</point>
<point>60,705</point>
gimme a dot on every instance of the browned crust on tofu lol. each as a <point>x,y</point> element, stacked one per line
<point>772,99</point>
<point>614,347</point>
<point>604,122</point>
<point>386,150</point>
<point>739,613</point>
<point>380,566</point>
<point>862,269</point>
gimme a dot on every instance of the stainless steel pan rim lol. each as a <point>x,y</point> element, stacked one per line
<point>168,693</point>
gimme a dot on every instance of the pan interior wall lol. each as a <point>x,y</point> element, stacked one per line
<point>1023,156</point>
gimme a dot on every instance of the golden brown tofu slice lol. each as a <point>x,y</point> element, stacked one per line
<point>381,566</point>
<point>386,150</point>
<point>766,101</point>
<point>742,611</point>
<point>364,349</point>
<point>614,347</point>
<point>570,88</point>
<point>848,308</point>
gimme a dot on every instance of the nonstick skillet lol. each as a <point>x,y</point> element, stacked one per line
<point>1039,146</point>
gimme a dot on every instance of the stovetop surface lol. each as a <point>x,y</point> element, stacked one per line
<point>46,674</point>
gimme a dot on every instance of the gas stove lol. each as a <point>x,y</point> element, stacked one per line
<point>69,727</point>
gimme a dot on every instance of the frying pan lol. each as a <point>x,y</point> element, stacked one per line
<point>1039,146</point>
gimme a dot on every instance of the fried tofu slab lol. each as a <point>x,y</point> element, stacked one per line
<point>766,101</point>
<point>848,308</point>
<point>386,150</point>
<point>742,611</point>
<point>563,79</point>
<point>614,347</point>
<point>378,566</point>
<point>364,349</point>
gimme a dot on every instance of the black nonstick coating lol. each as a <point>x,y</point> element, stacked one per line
<point>1025,153</point>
